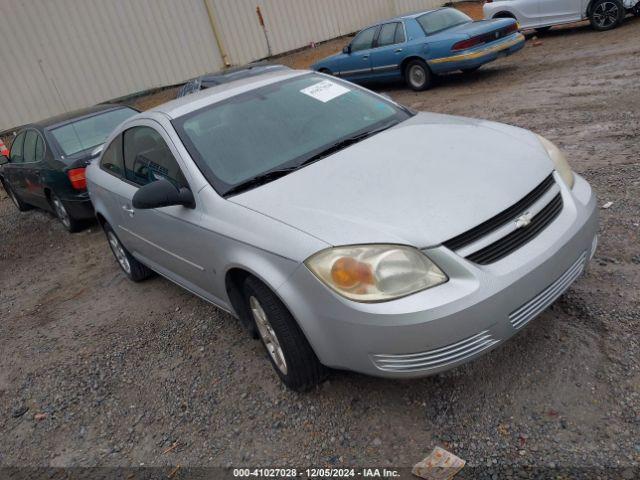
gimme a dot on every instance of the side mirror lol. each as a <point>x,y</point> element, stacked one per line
<point>4,159</point>
<point>347,50</point>
<point>162,193</point>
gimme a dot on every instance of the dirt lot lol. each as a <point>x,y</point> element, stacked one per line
<point>116,373</point>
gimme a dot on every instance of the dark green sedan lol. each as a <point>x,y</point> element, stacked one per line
<point>46,165</point>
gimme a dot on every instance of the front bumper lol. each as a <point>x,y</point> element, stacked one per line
<point>440,328</point>
<point>478,57</point>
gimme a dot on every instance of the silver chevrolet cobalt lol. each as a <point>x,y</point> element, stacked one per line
<point>343,229</point>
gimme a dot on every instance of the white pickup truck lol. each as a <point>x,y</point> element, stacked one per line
<point>543,14</point>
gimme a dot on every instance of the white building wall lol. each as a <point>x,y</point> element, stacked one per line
<point>59,55</point>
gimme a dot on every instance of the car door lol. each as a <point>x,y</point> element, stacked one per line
<point>169,240</point>
<point>14,172</point>
<point>559,11</point>
<point>527,12</point>
<point>356,64</point>
<point>388,51</point>
<point>31,168</point>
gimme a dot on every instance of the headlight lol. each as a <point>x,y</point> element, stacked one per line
<point>375,273</point>
<point>562,166</point>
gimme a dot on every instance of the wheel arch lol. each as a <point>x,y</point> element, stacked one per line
<point>505,14</point>
<point>405,61</point>
<point>234,279</point>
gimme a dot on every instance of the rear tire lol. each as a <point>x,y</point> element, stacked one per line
<point>131,267</point>
<point>71,224</point>
<point>606,14</point>
<point>636,10</point>
<point>20,205</point>
<point>290,353</point>
<point>417,75</point>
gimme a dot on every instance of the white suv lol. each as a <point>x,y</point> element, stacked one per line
<point>543,14</point>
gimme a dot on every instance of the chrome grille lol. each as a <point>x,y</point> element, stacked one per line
<point>436,358</point>
<point>519,237</point>
<point>502,218</point>
<point>499,236</point>
<point>536,305</point>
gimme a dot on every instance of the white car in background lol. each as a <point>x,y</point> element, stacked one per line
<point>543,14</point>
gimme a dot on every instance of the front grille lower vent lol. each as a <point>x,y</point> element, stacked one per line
<point>436,358</point>
<point>519,237</point>
<point>536,305</point>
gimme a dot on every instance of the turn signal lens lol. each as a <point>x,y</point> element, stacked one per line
<point>375,273</point>
<point>77,178</point>
<point>348,273</point>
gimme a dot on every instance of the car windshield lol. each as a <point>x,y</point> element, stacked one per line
<point>275,129</point>
<point>89,132</point>
<point>442,19</point>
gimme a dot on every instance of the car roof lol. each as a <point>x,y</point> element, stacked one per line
<point>73,115</point>
<point>189,103</point>
<point>236,73</point>
<point>404,17</point>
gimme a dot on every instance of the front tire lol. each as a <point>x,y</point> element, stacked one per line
<point>290,353</point>
<point>606,14</point>
<point>417,75</point>
<point>131,267</point>
<point>20,205</point>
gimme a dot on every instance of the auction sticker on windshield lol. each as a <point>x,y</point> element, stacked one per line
<point>325,91</point>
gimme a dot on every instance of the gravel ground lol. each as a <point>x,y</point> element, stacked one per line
<point>96,370</point>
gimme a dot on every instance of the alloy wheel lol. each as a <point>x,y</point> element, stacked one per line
<point>606,14</point>
<point>268,335</point>
<point>61,212</point>
<point>119,253</point>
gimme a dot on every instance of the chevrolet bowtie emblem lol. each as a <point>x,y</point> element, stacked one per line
<point>524,220</point>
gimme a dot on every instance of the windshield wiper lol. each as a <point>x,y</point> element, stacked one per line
<point>275,174</point>
<point>344,143</point>
<point>260,180</point>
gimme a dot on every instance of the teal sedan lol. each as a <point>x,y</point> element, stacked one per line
<point>416,47</point>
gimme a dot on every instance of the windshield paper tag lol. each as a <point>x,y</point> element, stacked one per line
<point>325,91</point>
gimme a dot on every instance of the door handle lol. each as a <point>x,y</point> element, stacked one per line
<point>130,211</point>
<point>366,57</point>
<point>398,50</point>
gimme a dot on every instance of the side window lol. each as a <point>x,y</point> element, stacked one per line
<point>29,149</point>
<point>399,38</point>
<point>112,160</point>
<point>39,149</point>
<point>387,34</point>
<point>16,155</point>
<point>147,158</point>
<point>363,40</point>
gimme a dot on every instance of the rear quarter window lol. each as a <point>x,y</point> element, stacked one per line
<point>434,22</point>
<point>112,160</point>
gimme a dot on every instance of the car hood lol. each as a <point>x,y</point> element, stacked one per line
<point>421,183</point>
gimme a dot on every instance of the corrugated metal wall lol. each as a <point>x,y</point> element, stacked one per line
<point>58,55</point>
